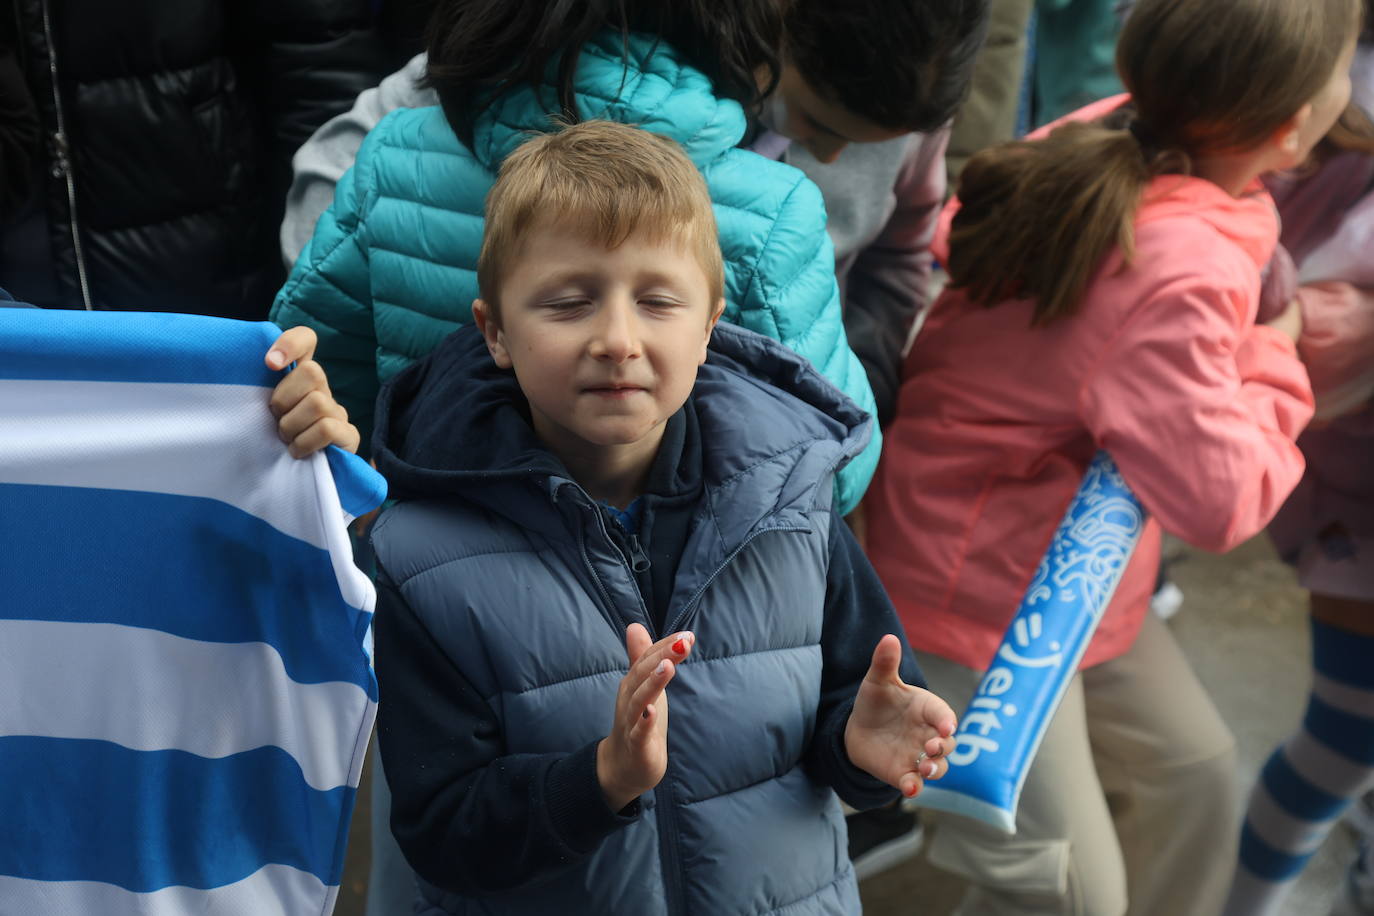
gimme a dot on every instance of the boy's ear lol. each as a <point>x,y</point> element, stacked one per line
<point>711,326</point>
<point>487,323</point>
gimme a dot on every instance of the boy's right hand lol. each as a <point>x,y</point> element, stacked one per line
<point>634,756</point>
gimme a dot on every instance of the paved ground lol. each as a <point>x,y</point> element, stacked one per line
<point>1243,626</point>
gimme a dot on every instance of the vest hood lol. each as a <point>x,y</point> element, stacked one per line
<point>772,428</point>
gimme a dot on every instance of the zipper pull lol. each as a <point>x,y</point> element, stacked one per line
<point>639,560</point>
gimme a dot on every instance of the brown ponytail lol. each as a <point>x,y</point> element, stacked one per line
<point>1038,217</point>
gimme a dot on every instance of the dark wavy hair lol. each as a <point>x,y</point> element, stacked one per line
<point>902,64</point>
<point>482,49</point>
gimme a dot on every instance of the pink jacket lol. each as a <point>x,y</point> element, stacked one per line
<point>1163,366</point>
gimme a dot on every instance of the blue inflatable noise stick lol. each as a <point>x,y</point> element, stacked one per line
<point>1001,730</point>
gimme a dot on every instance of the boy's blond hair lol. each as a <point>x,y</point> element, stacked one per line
<point>604,181</point>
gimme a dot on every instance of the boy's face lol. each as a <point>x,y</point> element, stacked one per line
<point>824,127</point>
<point>605,344</point>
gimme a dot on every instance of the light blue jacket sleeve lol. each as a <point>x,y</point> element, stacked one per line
<point>792,296</point>
<point>330,290</point>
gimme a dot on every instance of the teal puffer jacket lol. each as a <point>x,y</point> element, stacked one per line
<point>391,269</point>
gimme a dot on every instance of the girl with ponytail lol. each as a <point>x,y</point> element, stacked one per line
<point>1105,281</point>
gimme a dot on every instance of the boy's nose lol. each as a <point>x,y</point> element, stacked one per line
<point>616,339</point>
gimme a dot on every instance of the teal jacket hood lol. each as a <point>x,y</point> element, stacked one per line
<point>391,269</point>
<point>649,88</point>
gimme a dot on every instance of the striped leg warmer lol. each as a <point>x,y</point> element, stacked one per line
<point>1312,777</point>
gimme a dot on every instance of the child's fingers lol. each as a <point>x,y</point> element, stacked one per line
<point>938,714</point>
<point>643,727</point>
<point>294,344</point>
<point>643,706</point>
<point>316,405</point>
<point>932,768</point>
<point>637,641</point>
<point>674,648</point>
<point>647,692</point>
<point>307,377</point>
<point>939,747</point>
<point>323,433</point>
<point>932,763</point>
<point>887,658</point>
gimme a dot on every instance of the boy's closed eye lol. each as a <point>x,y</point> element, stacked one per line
<point>662,301</point>
<point>566,304</point>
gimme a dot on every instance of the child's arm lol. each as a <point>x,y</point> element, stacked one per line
<point>1200,415</point>
<point>330,290</point>
<point>858,614</point>
<point>888,284</point>
<point>1337,345</point>
<point>470,817</point>
<point>321,161</point>
<point>790,294</point>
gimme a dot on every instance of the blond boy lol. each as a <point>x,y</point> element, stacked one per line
<point>605,492</point>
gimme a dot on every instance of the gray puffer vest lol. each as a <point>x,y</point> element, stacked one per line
<point>515,576</point>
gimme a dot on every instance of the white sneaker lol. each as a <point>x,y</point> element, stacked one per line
<point>1167,601</point>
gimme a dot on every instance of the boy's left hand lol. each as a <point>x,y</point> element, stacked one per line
<point>898,733</point>
<point>308,417</point>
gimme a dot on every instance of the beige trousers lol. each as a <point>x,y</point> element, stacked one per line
<point>1131,806</point>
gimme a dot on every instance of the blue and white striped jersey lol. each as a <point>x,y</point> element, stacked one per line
<point>186,687</point>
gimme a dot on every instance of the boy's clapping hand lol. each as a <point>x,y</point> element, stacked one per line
<point>308,417</point>
<point>633,757</point>
<point>898,733</point>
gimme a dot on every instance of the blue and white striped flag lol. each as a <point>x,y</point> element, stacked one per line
<point>186,686</point>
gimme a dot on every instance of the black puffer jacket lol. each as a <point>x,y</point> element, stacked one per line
<point>168,129</point>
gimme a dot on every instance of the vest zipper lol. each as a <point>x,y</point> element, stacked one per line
<point>639,560</point>
<point>62,163</point>
<point>670,855</point>
<point>664,816</point>
<point>601,589</point>
<point>591,509</point>
<point>665,812</point>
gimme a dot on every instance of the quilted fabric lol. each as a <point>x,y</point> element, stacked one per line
<point>391,269</point>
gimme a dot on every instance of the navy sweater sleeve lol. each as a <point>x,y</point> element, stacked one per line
<point>470,817</point>
<point>858,614</point>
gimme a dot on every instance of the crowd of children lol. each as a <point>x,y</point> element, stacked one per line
<point>619,297</point>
